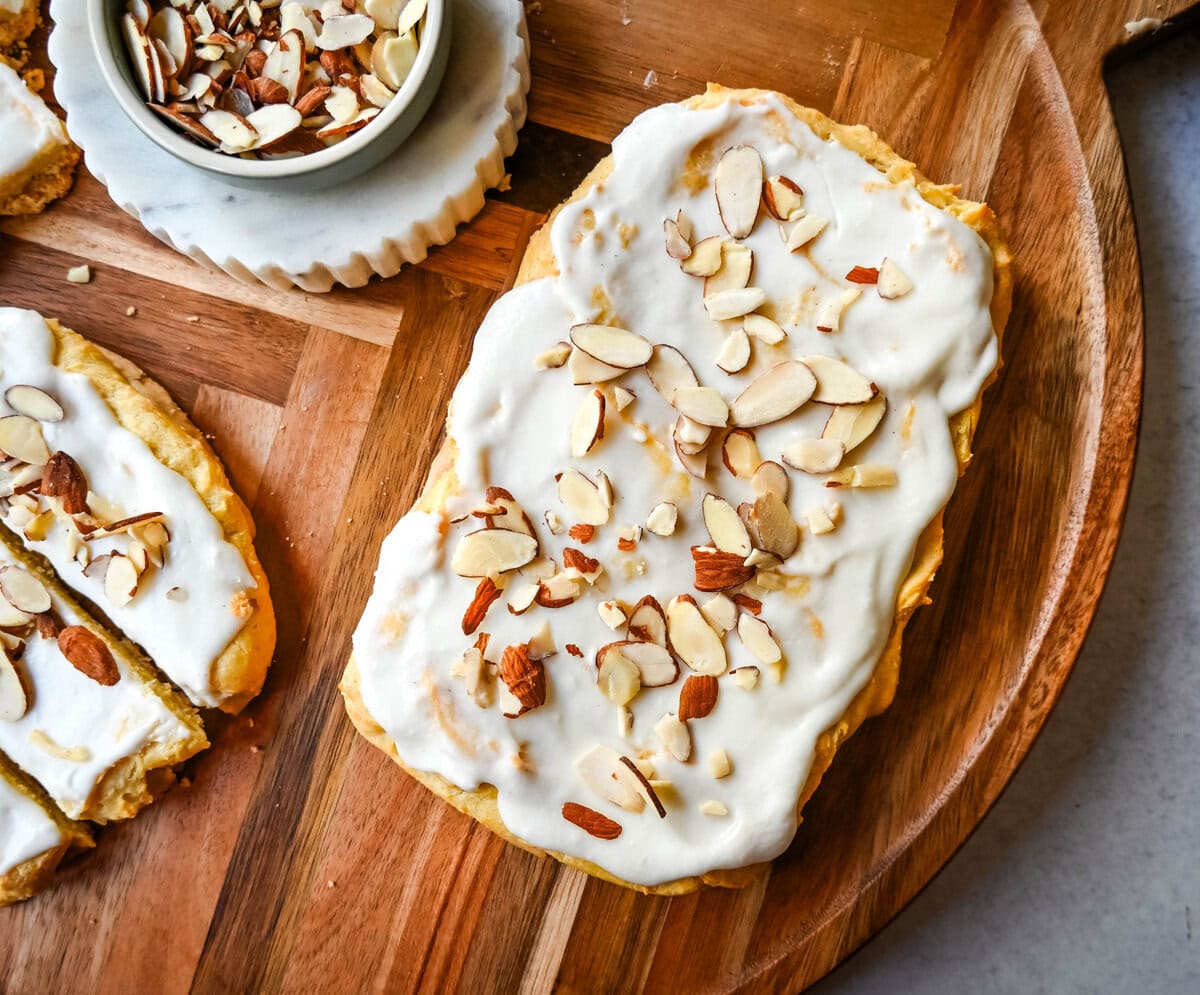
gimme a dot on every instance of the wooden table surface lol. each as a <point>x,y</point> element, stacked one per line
<point>299,858</point>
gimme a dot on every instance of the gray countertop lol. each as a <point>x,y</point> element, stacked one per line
<point>1085,876</point>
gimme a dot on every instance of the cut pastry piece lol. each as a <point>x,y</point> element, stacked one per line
<point>34,836</point>
<point>817,618</point>
<point>37,159</point>
<point>18,18</point>
<point>91,722</point>
<point>131,509</point>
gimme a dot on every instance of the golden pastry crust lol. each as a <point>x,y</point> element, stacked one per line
<point>877,693</point>
<point>148,413</point>
<point>48,177</point>
<point>30,877</point>
<point>15,28</point>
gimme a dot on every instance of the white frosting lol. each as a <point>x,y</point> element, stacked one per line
<point>27,125</point>
<point>183,636</point>
<point>26,830</point>
<point>76,729</point>
<point>930,352</point>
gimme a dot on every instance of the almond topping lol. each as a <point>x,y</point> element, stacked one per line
<point>62,478</point>
<point>617,676</point>
<point>655,665</point>
<point>764,329</point>
<point>737,263</point>
<point>724,526</point>
<point>819,520</point>
<point>694,463</point>
<point>829,315</point>
<point>582,498</point>
<point>648,622</point>
<point>720,612</point>
<point>678,246</point>
<point>662,519</point>
<point>838,382</point>
<point>23,591</point>
<point>714,808</point>
<point>701,404</point>
<point>675,737</point>
<point>735,353</point>
<point>591,821</point>
<point>522,597</point>
<point>693,639</point>
<point>623,397</point>
<point>14,702</point>
<point>611,614</point>
<point>601,770</point>
<point>704,259</point>
<point>585,370</point>
<point>739,453</point>
<point>646,788</point>
<point>771,478</point>
<point>746,677</point>
<point>774,395</point>
<point>88,654</point>
<point>814,455</point>
<point>582,533</point>
<point>726,304</point>
<point>21,438</point>
<point>33,402</point>
<point>718,570</point>
<point>747,603</point>
<point>120,580</point>
<point>587,428</point>
<point>697,697</point>
<point>719,765</point>
<point>783,198</point>
<point>868,275</point>
<point>690,435</point>
<point>616,347</point>
<point>862,475</point>
<point>524,677</point>
<point>578,560</point>
<point>771,526</point>
<point>485,596</point>
<point>491,551</point>
<point>558,591</point>
<point>553,358</point>
<point>799,233</point>
<point>852,424</point>
<point>892,282</point>
<point>669,371</point>
<point>737,185</point>
<point>756,636</point>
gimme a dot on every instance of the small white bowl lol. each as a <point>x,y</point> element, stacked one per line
<point>356,154</point>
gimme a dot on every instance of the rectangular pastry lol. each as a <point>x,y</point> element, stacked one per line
<point>691,492</point>
<point>78,711</point>
<point>109,482</point>
<point>37,159</point>
<point>34,836</point>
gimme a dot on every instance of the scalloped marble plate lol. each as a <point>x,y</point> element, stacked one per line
<point>371,226</point>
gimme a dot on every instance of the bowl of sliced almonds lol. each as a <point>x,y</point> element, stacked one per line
<point>280,94</point>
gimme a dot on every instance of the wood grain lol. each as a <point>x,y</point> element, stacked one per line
<point>297,858</point>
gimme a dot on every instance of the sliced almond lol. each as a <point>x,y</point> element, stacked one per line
<point>584,369</point>
<point>737,263</point>
<point>662,519</point>
<point>582,498</point>
<point>670,371</point>
<point>739,453</point>
<point>830,313</point>
<point>601,770</point>
<point>617,676</point>
<point>611,614</point>
<point>774,395</point>
<point>11,617</point>
<point>492,551</point>
<point>713,808</point>
<point>718,569</point>
<point>728,304</point>
<point>697,697</point>
<point>701,404</point>
<point>168,26</point>
<point>21,438</point>
<point>656,665</point>
<point>591,821</point>
<point>616,347</point>
<point>393,56</point>
<point>783,198</point>
<point>771,478</point>
<point>541,643</point>
<point>756,636</point>
<point>863,475</point>
<point>724,526</point>
<point>23,591</point>
<point>721,613</point>
<point>623,397</point>
<point>735,353</point>
<point>863,275</point>
<point>522,596</point>
<point>746,677</point>
<point>678,246</point>
<point>138,47</point>
<point>559,590</point>
<point>647,622</point>
<point>486,595</point>
<point>691,435</point>
<point>814,455</point>
<point>719,765</point>
<point>344,31</point>
<point>273,123</point>
<point>675,737</point>
<point>14,702</point>
<point>693,639</point>
<point>892,282</point>
<point>764,329</point>
<point>232,130</point>
<point>587,428</point>
<point>705,257</point>
<point>120,580</point>
<point>820,522</point>
<point>838,382</point>
<point>802,231</point>
<point>524,677</point>
<point>695,464</point>
<point>852,424</point>
<point>33,402</point>
<point>648,790</point>
<point>771,526</point>
<point>737,184</point>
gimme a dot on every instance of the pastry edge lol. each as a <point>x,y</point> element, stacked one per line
<point>877,694</point>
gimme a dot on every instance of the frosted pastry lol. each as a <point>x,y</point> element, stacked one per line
<point>131,509</point>
<point>78,711</point>
<point>37,159</point>
<point>691,492</point>
<point>34,836</point>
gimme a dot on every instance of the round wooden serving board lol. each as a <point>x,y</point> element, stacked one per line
<point>300,859</point>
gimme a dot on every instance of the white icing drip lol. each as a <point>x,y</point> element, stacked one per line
<point>26,830</point>
<point>109,723</point>
<point>932,349</point>
<point>183,637</point>
<point>27,125</point>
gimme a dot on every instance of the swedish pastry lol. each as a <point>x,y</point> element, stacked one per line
<point>130,591</point>
<point>37,159</point>
<point>690,493</point>
<point>34,836</point>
